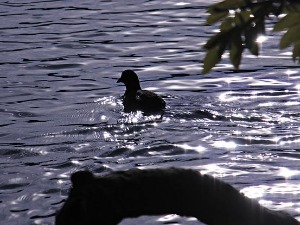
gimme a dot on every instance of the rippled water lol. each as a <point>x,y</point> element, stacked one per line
<point>61,109</point>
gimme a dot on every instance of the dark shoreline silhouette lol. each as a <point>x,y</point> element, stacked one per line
<point>108,199</point>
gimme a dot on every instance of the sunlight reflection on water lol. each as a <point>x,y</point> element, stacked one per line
<point>225,144</point>
<point>61,109</point>
<point>185,146</point>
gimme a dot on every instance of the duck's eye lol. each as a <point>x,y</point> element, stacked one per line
<point>138,96</point>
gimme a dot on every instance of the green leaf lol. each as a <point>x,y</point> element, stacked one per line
<point>296,51</point>
<point>213,56</point>
<point>292,35</point>
<point>226,5</point>
<point>236,49</point>
<point>215,17</point>
<point>290,20</point>
<point>262,9</point>
<point>250,42</point>
<point>251,34</point>
<point>259,27</point>
<point>254,49</point>
<point>242,18</point>
<point>227,24</point>
<point>215,40</point>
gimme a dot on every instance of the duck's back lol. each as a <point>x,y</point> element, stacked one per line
<point>143,100</point>
<point>149,100</point>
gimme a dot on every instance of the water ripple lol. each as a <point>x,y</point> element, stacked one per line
<point>61,109</point>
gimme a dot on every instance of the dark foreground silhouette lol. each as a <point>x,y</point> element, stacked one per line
<point>107,200</point>
<point>137,99</point>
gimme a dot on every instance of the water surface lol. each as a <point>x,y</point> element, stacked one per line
<point>61,109</point>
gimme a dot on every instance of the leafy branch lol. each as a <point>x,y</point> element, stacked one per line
<point>243,21</point>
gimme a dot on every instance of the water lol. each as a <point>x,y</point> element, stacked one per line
<point>61,109</point>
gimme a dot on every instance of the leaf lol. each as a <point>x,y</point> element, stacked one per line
<point>242,18</point>
<point>292,35</point>
<point>290,20</point>
<point>236,49</point>
<point>260,27</point>
<point>226,5</point>
<point>296,51</point>
<point>250,41</point>
<point>215,40</point>
<point>254,49</point>
<point>213,56</point>
<point>215,17</point>
<point>251,34</point>
<point>227,24</point>
<point>262,9</point>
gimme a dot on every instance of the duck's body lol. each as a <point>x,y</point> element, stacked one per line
<point>137,99</point>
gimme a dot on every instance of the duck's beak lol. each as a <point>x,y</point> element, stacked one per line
<point>120,80</point>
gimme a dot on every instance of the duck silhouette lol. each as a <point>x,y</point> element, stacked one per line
<point>137,99</point>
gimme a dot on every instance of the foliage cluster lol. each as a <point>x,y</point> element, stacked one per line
<point>243,21</point>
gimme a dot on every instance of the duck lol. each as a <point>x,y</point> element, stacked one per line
<point>135,98</point>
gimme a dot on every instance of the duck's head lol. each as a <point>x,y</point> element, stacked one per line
<point>130,79</point>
